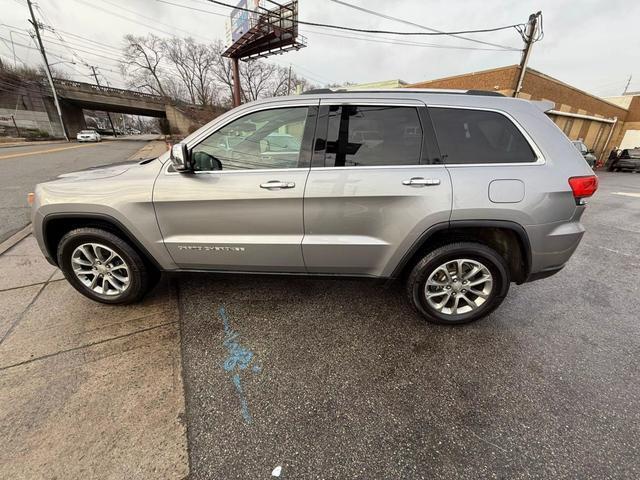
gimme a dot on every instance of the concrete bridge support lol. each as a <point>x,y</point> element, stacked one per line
<point>73,118</point>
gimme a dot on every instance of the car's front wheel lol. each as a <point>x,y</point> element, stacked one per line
<point>458,283</point>
<point>103,267</point>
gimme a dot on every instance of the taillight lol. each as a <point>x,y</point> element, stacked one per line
<point>583,187</point>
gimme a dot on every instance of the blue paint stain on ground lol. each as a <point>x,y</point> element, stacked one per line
<point>238,359</point>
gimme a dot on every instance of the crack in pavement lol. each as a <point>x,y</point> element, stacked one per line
<point>88,345</point>
<point>26,309</point>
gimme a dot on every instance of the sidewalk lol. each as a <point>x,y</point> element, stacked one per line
<point>30,144</point>
<point>86,390</point>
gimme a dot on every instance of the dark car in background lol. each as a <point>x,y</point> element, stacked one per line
<point>587,153</point>
<point>629,159</point>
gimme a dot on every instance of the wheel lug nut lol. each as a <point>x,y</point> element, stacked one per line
<point>464,291</point>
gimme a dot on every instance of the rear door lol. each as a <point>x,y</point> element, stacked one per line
<point>374,186</point>
<point>242,208</point>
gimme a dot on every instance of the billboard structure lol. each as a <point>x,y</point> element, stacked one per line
<point>255,31</point>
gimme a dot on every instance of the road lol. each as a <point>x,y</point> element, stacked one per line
<point>340,379</point>
<point>25,166</point>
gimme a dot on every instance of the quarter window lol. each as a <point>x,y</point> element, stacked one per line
<point>477,136</point>
<point>261,140</point>
<point>372,136</point>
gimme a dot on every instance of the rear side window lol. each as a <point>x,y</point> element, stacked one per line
<point>373,136</point>
<point>477,136</point>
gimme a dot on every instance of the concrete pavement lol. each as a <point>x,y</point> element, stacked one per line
<point>86,390</point>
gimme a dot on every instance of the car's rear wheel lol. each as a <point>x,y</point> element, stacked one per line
<point>103,267</point>
<point>458,283</point>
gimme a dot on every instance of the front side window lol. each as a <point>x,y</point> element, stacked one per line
<point>261,140</point>
<point>478,136</point>
<point>373,136</point>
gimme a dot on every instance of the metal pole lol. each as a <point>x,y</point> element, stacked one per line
<point>13,118</point>
<point>236,81</point>
<point>13,47</point>
<point>531,30</point>
<point>626,87</point>
<point>289,82</point>
<point>95,75</point>
<point>47,69</point>
<point>606,144</point>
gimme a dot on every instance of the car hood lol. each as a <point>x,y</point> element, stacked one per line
<point>104,171</point>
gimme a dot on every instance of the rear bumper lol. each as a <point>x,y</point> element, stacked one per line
<point>553,244</point>
<point>543,274</point>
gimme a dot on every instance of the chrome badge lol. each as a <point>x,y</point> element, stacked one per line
<point>210,248</point>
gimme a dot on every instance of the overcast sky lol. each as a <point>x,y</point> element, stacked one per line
<point>593,45</point>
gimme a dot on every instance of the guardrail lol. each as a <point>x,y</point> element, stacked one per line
<point>107,90</point>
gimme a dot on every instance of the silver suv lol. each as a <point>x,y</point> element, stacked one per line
<point>459,193</point>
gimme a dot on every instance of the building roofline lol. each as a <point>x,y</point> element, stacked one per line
<point>451,77</point>
<point>529,71</point>
<point>553,79</point>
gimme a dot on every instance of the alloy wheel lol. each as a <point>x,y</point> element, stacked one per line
<point>100,269</point>
<point>458,286</point>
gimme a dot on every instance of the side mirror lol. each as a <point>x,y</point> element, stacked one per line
<point>180,158</point>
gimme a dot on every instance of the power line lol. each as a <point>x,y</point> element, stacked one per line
<point>134,12</point>
<point>364,30</point>
<point>194,8</point>
<point>406,22</point>
<point>370,39</point>
<point>410,43</point>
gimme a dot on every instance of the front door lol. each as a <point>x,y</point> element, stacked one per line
<point>374,188</point>
<point>241,210</point>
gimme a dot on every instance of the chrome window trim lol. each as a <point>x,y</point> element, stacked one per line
<point>540,158</point>
<point>378,167</point>
<point>390,102</point>
<point>227,172</point>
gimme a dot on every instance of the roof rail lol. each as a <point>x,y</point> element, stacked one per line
<point>485,93</point>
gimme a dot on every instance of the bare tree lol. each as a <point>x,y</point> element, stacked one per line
<point>141,64</point>
<point>223,72</point>
<point>182,69</point>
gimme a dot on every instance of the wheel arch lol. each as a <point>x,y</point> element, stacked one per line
<point>56,225</point>
<point>508,238</point>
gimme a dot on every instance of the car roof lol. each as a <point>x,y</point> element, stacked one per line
<point>435,97</point>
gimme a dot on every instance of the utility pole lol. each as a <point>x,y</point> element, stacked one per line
<point>236,81</point>
<point>47,69</point>
<point>626,87</point>
<point>95,75</point>
<point>289,82</point>
<point>529,35</point>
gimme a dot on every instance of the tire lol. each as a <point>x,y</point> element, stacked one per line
<point>97,243</point>
<point>472,255</point>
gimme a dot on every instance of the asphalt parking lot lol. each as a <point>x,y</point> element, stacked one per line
<point>340,379</point>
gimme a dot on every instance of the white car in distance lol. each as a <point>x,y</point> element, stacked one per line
<point>88,136</point>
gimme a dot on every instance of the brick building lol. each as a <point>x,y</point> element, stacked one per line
<point>600,123</point>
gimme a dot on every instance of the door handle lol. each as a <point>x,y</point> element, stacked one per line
<point>421,182</point>
<point>274,184</point>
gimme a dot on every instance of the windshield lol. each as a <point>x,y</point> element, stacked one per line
<point>87,131</point>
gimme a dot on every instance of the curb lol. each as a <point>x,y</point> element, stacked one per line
<point>14,239</point>
<point>31,144</point>
<point>151,148</point>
